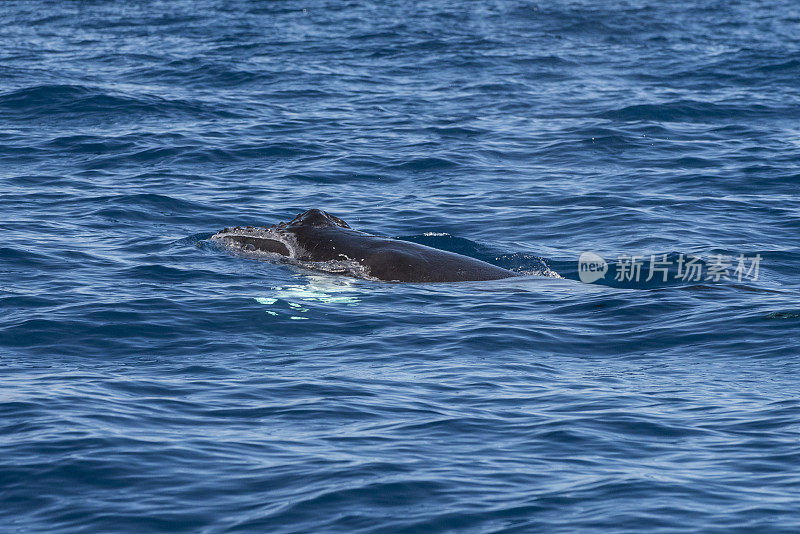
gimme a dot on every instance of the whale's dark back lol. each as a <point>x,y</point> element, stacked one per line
<point>322,237</point>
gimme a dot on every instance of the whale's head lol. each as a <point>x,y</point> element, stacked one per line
<point>316,219</point>
<point>293,239</point>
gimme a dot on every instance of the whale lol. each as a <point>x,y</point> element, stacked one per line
<point>317,239</point>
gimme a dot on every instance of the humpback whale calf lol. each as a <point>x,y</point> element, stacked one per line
<point>318,236</point>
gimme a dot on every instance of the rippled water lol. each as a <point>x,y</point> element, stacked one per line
<point>153,383</point>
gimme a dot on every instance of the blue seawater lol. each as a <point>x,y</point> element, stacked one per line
<point>150,382</point>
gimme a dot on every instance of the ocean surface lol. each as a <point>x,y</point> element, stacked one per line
<point>153,382</point>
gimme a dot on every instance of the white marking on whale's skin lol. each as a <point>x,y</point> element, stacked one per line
<point>227,237</point>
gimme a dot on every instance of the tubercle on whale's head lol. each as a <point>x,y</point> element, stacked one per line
<point>317,219</point>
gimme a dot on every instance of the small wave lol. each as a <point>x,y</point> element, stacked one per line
<point>456,132</point>
<point>161,273</point>
<point>690,111</point>
<point>163,203</point>
<point>89,144</point>
<point>27,258</point>
<point>425,164</point>
<point>791,65</point>
<point>48,102</point>
<point>198,73</point>
<point>139,207</point>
